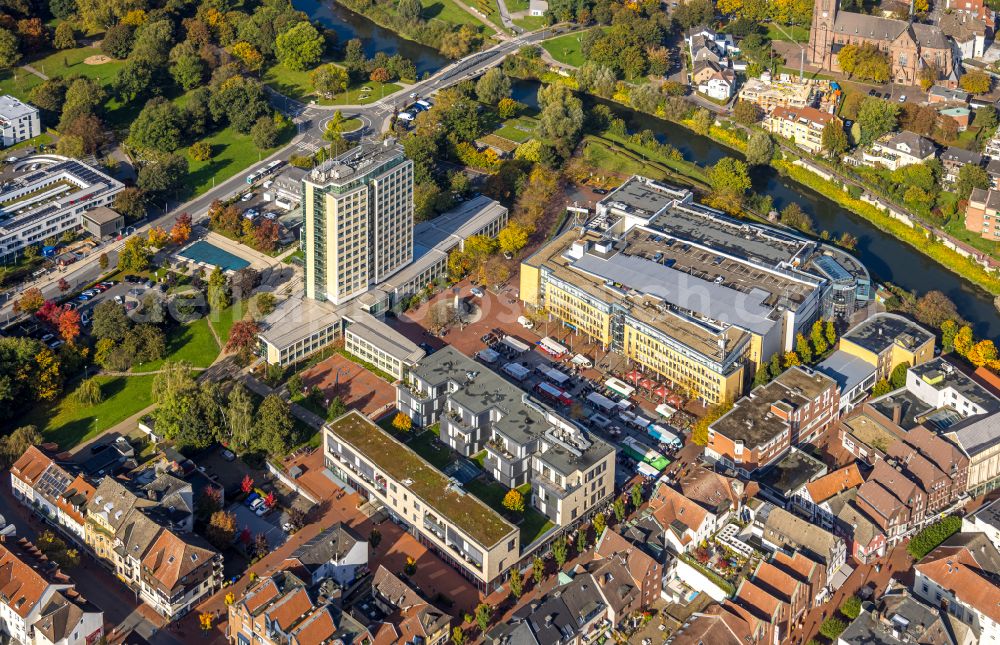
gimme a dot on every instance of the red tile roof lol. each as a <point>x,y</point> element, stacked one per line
<point>834,483</point>
<point>957,570</point>
<point>31,465</point>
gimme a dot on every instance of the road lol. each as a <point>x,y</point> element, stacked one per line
<point>309,120</point>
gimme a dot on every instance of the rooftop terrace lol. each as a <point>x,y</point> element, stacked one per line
<point>882,331</point>
<point>434,489</point>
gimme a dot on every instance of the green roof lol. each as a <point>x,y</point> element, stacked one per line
<point>429,484</point>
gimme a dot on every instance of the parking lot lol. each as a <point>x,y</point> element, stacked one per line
<point>269,525</point>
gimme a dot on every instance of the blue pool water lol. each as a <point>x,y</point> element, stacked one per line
<point>202,251</point>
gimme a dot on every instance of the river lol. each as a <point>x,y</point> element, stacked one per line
<point>887,258</point>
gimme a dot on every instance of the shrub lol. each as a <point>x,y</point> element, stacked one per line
<point>930,537</point>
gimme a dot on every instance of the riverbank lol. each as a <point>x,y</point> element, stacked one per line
<point>449,39</point>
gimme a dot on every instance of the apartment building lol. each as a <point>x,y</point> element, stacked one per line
<point>821,497</point>
<point>358,220</point>
<point>644,572</point>
<point>986,519</point>
<point>39,604</point>
<point>982,214</point>
<point>467,533</point>
<point>685,291</point>
<point>281,609</point>
<point>144,535</point>
<point>685,523</point>
<point>769,94</point>
<point>574,614</point>
<point>723,496</point>
<point>18,121</point>
<point>961,576</point>
<point>46,202</point>
<point>802,125</point>
<point>796,407</point>
<point>900,618</point>
<point>894,151</point>
<point>336,553</point>
<point>954,159</point>
<point>526,441</point>
<point>781,530</point>
<point>865,539</point>
<point>409,618</point>
<point>885,340</point>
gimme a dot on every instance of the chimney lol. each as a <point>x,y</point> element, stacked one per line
<point>897,413</point>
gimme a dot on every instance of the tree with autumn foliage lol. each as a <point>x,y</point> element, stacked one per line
<point>181,230</point>
<point>205,621</point>
<point>247,484</point>
<point>379,75</point>
<point>266,234</point>
<point>514,501</point>
<point>221,529</point>
<point>402,422</point>
<point>49,312</point>
<point>64,286</point>
<point>69,325</point>
<point>270,500</point>
<point>158,237</point>
<point>30,301</point>
<point>243,339</point>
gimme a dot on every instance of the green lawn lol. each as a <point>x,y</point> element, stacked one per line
<point>223,321</point>
<point>70,62</point>
<point>192,343</point>
<point>68,423</point>
<point>350,125</point>
<point>297,85</point>
<point>18,82</point>
<point>232,153</point>
<point>566,48</point>
<point>531,23</point>
<point>793,33</point>
<point>517,130</point>
<point>438,455</point>
<point>532,523</point>
<point>448,11</point>
<point>513,6</point>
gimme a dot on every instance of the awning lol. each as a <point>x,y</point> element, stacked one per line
<point>552,347</point>
<point>662,391</point>
<point>634,376</point>
<point>646,384</point>
<point>619,386</point>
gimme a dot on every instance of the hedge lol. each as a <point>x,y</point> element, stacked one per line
<point>930,537</point>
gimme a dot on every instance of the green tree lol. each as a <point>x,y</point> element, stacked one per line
<point>516,583</point>
<point>218,290</point>
<point>949,329</point>
<point>65,37</point>
<point>636,494</point>
<point>457,635</point>
<point>932,536</point>
<point>746,112</point>
<point>131,203</point>
<point>599,524</point>
<point>300,47</point>
<point>818,337</point>
<point>159,126</point>
<point>793,215</point>
<point>761,376</point>
<point>832,627</point>
<point>802,348</point>
<point>187,67</point>
<point>163,174</point>
<point>133,80</point>
<point>831,333</point>
<point>561,117</point>
<point>409,9</point>
<point>882,387</point>
<point>273,427</point>
<point>619,509</point>
<point>774,369</point>
<point>730,180</point>
<point>537,569</point>
<point>264,133</point>
<point>134,256</point>
<point>898,377</point>
<point>88,392</point>
<point>484,614</point>
<point>240,418</point>
<point>851,607</point>
<point>975,82</point>
<point>986,118</point>
<point>559,551</point>
<point>702,121</point>
<point>109,321</point>
<point>760,149</point>
<point>10,54</point>
<point>13,445</point>
<point>329,79</point>
<point>834,139</point>
<point>876,117</point>
<point>971,176</point>
<point>493,86</point>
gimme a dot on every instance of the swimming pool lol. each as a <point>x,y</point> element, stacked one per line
<point>202,251</point>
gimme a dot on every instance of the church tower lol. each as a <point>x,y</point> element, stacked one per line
<point>821,35</point>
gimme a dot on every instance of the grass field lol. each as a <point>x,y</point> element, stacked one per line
<point>70,62</point>
<point>68,423</point>
<point>513,6</point>
<point>297,85</point>
<point>566,49</point>
<point>517,130</point>
<point>232,152</point>
<point>223,321</point>
<point>531,23</point>
<point>532,524</point>
<point>192,343</point>
<point>791,32</point>
<point>448,11</point>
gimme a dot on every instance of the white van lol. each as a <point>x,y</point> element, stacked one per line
<point>524,322</point>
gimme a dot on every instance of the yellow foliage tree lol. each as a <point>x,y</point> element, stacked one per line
<point>248,55</point>
<point>402,422</point>
<point>792,359</point>
<point>230,598</point>
<point>699,432</point>
<point>514,501</point>
<point>982,353</point>
<point>964,340</point>
<point>135,18</point>
<point>48,383</point>
<point>205,620</point>
<point>158,237</point>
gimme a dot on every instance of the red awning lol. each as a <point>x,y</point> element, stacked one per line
<point>646,384</point>
<point>634,376</point>
<point>662,391</point>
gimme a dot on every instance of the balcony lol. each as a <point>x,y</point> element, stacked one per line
<point>416,392</point>
<point>500,449</point>
<point>552,487</point>
<point>434,527</point>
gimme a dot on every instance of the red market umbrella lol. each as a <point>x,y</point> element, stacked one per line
<point>633,376</point>
<point>646,384</point>
<point>662,391</point>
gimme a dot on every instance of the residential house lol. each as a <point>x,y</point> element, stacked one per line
<point>280,610</point>
<point>685,523</point>
<point>626,564</point>
<point>805,570</point>
<point>961,575</point>
<point>960,114</point>
<point>573,614</point>
<point>865,539</point>
<point>900,618</point>
<point>71,513</point>
<point>942,94</point>
<point>894,151</point>
<point>705,43</point>
<point>796,407</point>
<point>720,85</point>
<point>704,70</point>
<point>717,624</point>
<point>38,481</point>
<point>954,159</point>
<point>802,125</point>
<point>336,553</point>
<point>993,170</point>
<point>408,617</point>
<point>723,496</point>
<point>979,439</point>
<point>986,520</point>
<point>970,33</point>
<point>816,497</point>
<point>39,604</point>
<point>782,530</point>
<point>982,215</point>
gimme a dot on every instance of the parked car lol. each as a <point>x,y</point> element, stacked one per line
<point>83,297</point>
<point>600,191</point>
<point>56,344</point>
<point>251,498</point>
<point>47,337</point>
<point>247,197</point>
<point>119,299</point>
<point>262,509</point>
<point>477,292</point>
<point>228,455</point>
<point>902,98</point>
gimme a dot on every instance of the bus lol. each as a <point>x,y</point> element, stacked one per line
<point>265,171</point>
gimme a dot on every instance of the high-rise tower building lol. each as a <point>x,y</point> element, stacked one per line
<point>358,221</point>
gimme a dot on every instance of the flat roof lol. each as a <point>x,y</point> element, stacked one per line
<point>752,420</point>
<point>942,375</point>
<point>641,197</point>
<point>101,215</point>
<point>522,419</point>
<point>882,331</point>
<point>434,489</point>
<point>377,333</point>
<point>447,229</point>
<point>846,369</point>
<point>792,472</point>
<point>11,107</point>
<point>357,163</point>
<point>296,318</point>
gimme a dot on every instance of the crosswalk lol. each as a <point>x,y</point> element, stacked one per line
<point>308,146</point>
